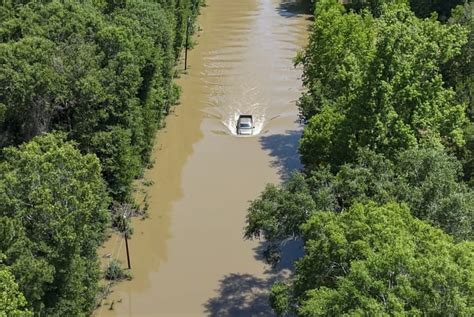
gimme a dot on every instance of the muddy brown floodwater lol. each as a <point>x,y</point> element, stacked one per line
<point>189,257</point>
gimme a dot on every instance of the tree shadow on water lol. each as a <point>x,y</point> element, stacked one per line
<point>283,149</point>
<point>241,295</point>
<point>290,251</point>
<point>294,8</point>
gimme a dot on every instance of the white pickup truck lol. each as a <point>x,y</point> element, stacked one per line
<point>245,125</point>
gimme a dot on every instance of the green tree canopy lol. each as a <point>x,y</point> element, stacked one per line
<point>377,83</point>
<point>100,70</point>
<point>378,260</point>
<point>386,122</point>
<point>53,215</point>
<point>12,301</point>
<point>426,179</point>
<point>460,75</point>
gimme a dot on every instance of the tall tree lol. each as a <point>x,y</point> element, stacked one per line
<point>428,180</point>
<point>53,215</point>
<point>100,70</point>
<point>385,109</point>
<point>377,83</point>
<point>378,261</point>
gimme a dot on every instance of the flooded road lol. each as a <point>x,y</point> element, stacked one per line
<point>189,257</point>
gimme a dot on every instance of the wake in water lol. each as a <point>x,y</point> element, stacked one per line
<point>258,119</point>
<point>227,109</point>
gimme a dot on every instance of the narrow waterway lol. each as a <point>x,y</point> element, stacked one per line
<point>188,257</point>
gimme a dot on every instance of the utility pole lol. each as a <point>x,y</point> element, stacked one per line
<point>187,42</point>
<point>125,235</point>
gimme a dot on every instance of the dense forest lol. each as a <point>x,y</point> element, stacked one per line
<point>84,86</point>
<point>385,203</point>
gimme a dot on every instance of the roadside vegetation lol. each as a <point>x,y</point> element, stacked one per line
<point>385,203</point>
<point>84,86</point>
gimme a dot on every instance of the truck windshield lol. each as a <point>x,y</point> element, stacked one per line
<point>245,125</point>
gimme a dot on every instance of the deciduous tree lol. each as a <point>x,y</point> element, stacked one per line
<point>377,84</point>
<point>378,260</point>
<point>53,215</point>
<point>12,301</point>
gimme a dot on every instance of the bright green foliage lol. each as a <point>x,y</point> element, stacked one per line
<point>12,301</point>
<point>335,57</point>
<point>53,215</point>
<point>33,273</point>
<point>379,261</point>
<point>280,299</point>
<point>100,70</point>
<point>376,83</point>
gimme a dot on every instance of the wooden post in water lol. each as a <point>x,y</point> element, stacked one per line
<point>128,253</point>
<point>125,235</point>
<point>186,47</point>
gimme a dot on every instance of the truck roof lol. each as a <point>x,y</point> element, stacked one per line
<point>245,120</point>
<point>245,117</point>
